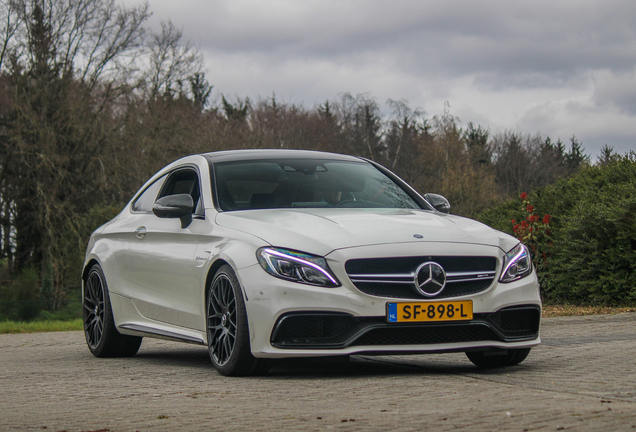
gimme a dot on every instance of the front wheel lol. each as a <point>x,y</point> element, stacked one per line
<point>102,337</point>
<point>227,327</point>
<point>493,359</point>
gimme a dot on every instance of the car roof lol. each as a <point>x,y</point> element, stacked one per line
<point>255,154</point>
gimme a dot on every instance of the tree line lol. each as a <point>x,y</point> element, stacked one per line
<point>92,103</point>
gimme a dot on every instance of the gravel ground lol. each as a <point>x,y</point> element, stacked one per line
<point>581,378</point>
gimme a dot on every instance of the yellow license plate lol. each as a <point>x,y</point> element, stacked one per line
<point>430,311</point>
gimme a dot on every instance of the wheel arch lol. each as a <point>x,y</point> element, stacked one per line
<point>88,267</point>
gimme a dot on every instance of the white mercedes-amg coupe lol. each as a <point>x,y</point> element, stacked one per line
<point>266,254</point>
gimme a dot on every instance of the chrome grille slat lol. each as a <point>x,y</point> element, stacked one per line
<point>382,281</point>
<point>469,280</point>
<point>408,278</point>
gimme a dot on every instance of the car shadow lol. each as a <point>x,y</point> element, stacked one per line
<point>196,358</point>
<point>179,355</point>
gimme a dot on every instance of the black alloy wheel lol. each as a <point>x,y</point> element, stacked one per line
<point>227,328</point>
<point>102,337</point>
<point>222,320</point>
<point>93,309</point>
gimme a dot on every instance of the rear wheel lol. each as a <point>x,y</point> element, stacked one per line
<point>227,327</point>
<point>492,359</point>
<point>102,336</point>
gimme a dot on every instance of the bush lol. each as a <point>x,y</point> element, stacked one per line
<point>593,258</point>
<point>21,299</point>
<point>17,295</point>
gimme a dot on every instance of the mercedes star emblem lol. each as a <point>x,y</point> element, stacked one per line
<point>430,279</point>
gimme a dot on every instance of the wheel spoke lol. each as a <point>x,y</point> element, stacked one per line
<point>222,350</point>
<point>93,287</point>
<point>218,310</point>
<point>92,333</point>
<point>89,318</point>
<point>97,334</point>
<point>216,329</point>
<point>228,294</point>
<point>88,298</point>
<point>216,325</point>
<point>226,342</point>
<point>218,301</point>
<point>219,348</point>
<point>98,324</point>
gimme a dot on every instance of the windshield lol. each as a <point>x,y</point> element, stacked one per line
<point>306,183</point>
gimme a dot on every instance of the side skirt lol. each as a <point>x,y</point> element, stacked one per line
<point>139,330</point>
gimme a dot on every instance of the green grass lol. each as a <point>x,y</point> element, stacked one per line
<point>7,327</point>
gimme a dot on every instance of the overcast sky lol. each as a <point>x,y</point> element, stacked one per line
<point>557,68</point>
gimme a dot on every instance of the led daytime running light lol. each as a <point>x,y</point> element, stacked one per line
<point>522,252</point>
<point>298,260</point>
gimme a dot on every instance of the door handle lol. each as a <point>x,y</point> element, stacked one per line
<point>140,232</point>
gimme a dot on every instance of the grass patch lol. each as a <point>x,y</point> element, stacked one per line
<point>7,327</point>
<point>569,310</point>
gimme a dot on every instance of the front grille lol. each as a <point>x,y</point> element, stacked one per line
<point>394,277</point>
<point>325,330</point>
<point>407,291</point>
<point>427,335</point>
<point>409,264</point>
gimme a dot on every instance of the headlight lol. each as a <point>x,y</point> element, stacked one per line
<point>517,264</point>
<point>296,267</point>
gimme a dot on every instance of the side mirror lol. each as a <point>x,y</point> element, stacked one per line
<point>438,202</point>
<point>175,206</point>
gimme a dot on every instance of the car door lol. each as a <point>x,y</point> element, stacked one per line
<point>161,265</point>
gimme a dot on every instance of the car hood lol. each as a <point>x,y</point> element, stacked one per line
<point>320,231</point>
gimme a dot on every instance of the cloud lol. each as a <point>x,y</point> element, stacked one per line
<point>616,89</point>
<point>553,67</point>
<point>495,38</point>
<point>592,125</point>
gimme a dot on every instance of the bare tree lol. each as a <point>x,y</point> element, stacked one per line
<point>173,60</point>
<point>402,131</point>
<point>515,157</point>
<point>361,123</point>
<point>9,24</point>
<point>92,39</point>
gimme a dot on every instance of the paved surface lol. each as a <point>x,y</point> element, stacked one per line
<point>582,378</point>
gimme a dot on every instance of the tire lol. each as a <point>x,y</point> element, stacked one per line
<point>490,359</point>
<point>102,337</point>
<point>227,328</point>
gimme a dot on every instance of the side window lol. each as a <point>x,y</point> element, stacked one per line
<point>184,181</point>
<point>145,201</point>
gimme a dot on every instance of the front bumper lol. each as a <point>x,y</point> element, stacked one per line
<point>288,319</point>
<point>324,330</point>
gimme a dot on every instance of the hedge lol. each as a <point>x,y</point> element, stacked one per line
<point>592,258</point>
